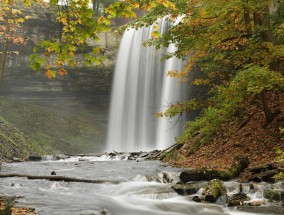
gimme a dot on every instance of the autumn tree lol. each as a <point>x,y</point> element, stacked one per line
<point>11,18</point>
<point>238,45</point>
<point>79,28</point>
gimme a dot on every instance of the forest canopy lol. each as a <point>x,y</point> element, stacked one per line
<point>238,46</point>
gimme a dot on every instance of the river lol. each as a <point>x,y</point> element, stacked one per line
<point>140,189</point>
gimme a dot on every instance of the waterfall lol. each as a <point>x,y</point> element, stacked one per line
<point>141,89</point>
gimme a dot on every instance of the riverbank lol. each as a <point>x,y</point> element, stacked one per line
<point>246,133</point>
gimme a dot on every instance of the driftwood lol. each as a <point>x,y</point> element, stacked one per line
<point>262,172</point>
<point>60,178</point>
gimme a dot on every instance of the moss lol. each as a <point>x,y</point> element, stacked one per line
<point>53,130</point>
<point>218,186</point>
<point>193,148</point>
<point>276,195</point>
<point>14,143</point>
<point>214,190</point>
<point>169,155</point>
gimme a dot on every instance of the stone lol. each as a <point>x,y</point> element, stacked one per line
<point>188,189</point>
<point>105,212</point>
<point>34,158</point>
<point>53,173</point>
<point>237,199</point>
<point>196,199</point>
<point>214,189</point>
<point>256,203</point>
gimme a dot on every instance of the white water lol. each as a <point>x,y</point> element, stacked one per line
<point>141,89</point>
<point>140,190</point>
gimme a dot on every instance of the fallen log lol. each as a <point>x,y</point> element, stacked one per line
<point>209,174</point>
<point>262,173</point>
<point>60,178</point>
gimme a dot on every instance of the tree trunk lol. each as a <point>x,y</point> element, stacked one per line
<point>247,21</point>
<point>267,34</point>
<point>263,20</point>
<point>3,61</point>
<point>265,106</point>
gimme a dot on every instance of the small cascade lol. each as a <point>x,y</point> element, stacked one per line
<point>141,89</point>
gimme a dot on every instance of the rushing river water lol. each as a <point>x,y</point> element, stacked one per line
<point>139,190</point>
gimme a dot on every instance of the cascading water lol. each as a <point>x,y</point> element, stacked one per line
<point>141,89</point>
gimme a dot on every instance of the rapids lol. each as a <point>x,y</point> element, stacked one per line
<point>141,190</point>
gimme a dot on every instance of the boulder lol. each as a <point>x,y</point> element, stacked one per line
<point>237,199</point>
<point>189,188</point>
<point>274,194</point>
<point>214,190</point>
<point>34,158</point>
<point>197,199</point>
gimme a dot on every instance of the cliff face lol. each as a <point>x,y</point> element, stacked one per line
<point>83,93</point>
<point>18,74</point>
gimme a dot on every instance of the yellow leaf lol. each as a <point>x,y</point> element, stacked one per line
<point>62,72</point>
<point>50,74</point>
<point>155,34</point>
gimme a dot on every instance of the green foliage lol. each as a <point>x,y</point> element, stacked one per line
<point>251,81</point>
<point>179,108</point>
<point>280,158</point>
<point>79,28</point>
<point>52,130</point>
<point>238,45</point>
<point>206,125</point>
<point>248,82</point>
<point>14,143</point>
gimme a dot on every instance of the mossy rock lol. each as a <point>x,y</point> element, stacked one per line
<point>214,190</point>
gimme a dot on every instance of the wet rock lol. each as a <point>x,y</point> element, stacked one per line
<point>267,209</point>
<point>105,212</point>
<point>188,189</point>
<point>196,199</point>
<point>83,159</point>
<point>17,159</point>
<point>214,190</point>
<point>62,157</point>
<point>237,199</point>
<point>131,158</point>
<point>53,173</point>
<point>274,194</point>
<point>34,158</point>
<point>256,203</point>
<point>166,178</point>
<point>112,154</point>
